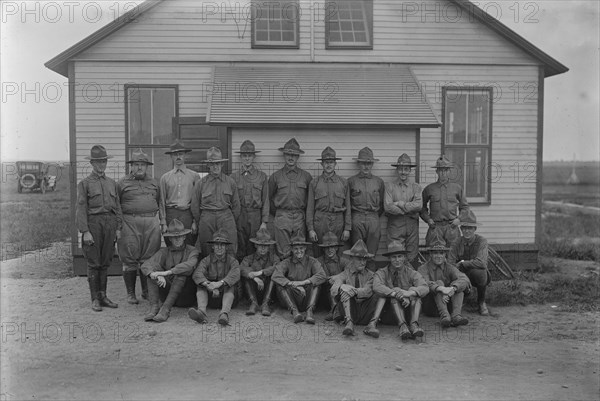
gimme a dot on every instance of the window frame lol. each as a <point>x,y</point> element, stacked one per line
<point>128,146</point>
<point>274,45</point>
<point>369,31</point>
<point>488,146</point>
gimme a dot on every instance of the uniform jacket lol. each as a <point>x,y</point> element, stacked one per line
<point>97,195</point>
<point>181,261</point>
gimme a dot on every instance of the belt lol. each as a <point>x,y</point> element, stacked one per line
<point>178,208</point>
<point>213,210</point>
<point>153,214</point>
<point>363,212</point>
<point>320,211</point>
<point>443,222</point>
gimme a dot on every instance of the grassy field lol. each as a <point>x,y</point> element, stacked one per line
<point>31,220</point>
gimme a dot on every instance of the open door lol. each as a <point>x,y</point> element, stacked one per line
<point>196,134</point>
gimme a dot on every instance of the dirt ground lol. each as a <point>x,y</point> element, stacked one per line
<point>55,347</point>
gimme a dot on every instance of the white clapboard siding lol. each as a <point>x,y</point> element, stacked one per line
<point>194,30</point>
<point>387,145</point>
<point>510,218</point>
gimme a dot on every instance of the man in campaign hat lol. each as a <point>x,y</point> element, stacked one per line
<point>366,198</point>
<point>352,290</point>
<point>288,188</point>
<point>215,203</point>
<point>442,202</point>
<point>332,264</point>
<point>170,271</point>
<point>216,278</point>
<point>99,220</point>
<point>403,287</point>
<point>139,194</point>
<point>328,208</point>
<point>447,285</point>
<point>470,254</point>
<point>253,190</point>
<point>256,270</point>
<point>176,189</point>
<point>298,279</point>
<point>402,205</point>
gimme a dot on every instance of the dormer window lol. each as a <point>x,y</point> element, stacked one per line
<point>275,24</point>
<point>349,24</point>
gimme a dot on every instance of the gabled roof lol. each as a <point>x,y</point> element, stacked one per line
<point>552,67</point>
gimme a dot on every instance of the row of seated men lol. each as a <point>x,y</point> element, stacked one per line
<point>394,294</point>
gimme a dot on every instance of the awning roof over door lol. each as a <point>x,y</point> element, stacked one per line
<point>318,95</point>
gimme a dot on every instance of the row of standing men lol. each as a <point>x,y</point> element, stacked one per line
<point>239,205</point>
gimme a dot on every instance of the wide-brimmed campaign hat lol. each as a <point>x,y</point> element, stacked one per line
<point>467,218</point>
<point>395,247</point>
<point>359,250</point>
<point>404,161</point>
<point>365,155</point>
<point>213,155</point>
<point>98,152</point>
<point>219,237</point>
<point>292,147</point>
<point>437,244</point>
<point>176,229</point>
<point>177,146</point>
<point>328,154</point>
<point>299,239</point>
<point>443,162</point>
<point>329,239</point>
<point>139,156</point>
<point>247,147</point>
<point>263,237</point>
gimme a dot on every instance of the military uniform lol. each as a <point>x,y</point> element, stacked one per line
<point>99,213</point>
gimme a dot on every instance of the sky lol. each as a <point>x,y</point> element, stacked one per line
<point>34,105</point>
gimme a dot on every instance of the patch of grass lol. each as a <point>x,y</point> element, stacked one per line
<point>579,294</point>
<point>33,225</point>
<point>560,234</point>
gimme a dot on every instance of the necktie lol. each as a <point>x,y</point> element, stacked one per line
<point>395,279</point>
<point>356,281</point>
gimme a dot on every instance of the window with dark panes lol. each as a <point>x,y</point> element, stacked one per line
<point>149,112</point>
<point>275,23</point>
<point>349,24</point>
<point>467,139</point>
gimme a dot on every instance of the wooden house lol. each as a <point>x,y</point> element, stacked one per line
<point>424,78</point>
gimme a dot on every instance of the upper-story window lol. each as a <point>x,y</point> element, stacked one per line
<point>467,139</point>
<point>349,24</point>
<point>275,23</point>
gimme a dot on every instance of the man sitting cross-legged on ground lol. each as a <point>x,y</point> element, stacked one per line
<point>256,271</point>
<point>169,271</point>
<point>404,287</point>
<point>332,265</point>
<point>446,285</point>
<point>298,280</point>
<point>216,277</point>
<point>353,290</point>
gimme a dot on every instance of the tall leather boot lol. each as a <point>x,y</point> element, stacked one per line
<point>457,302</point>
<point>442,310</point>
<point>144,284</point>
<point>284,296</point>
<point>265,309</point>
<point>312,301</point>
<point>199,315</point>
<point>129,279</point>
<point>104,301</point>
<point>94,284</point>
<point>153,297</point>
<point>252,295</point>
<point>174,291</point>
<point>399,313</point>
<point>415,312</point>
<point>371,329</point>
<point>483,310</point>
<point>349,328</point>
<point>332,304</point>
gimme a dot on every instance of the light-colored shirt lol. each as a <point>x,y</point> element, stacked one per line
<point>403,199</point>
<point>176,189</point>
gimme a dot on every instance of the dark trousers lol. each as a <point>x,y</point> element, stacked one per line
<point>285,225</point>
<point>361,311</point>
<point>433,305</point>
<point>404,229</point>
<point>187,296</point>
<point>259,294</point>
<point>445,231</point>
<point>247,225</point>
<point>103,228</point>
<point>389,317</point>
<point>325,222</point>
<point>209,223</point>
<point>366,226</point>
<point>298,298</point>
